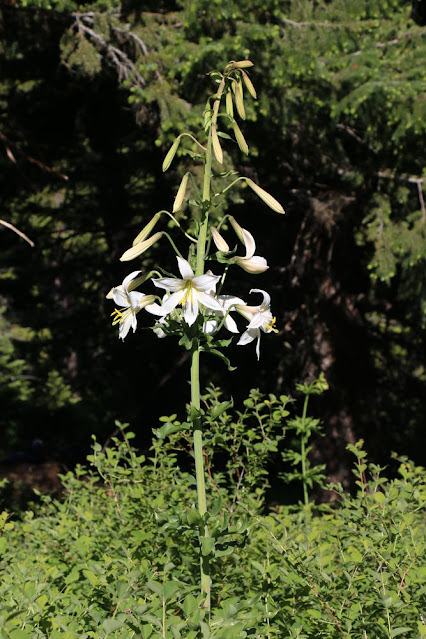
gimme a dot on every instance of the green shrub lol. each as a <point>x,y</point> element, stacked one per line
<point>115,556</point>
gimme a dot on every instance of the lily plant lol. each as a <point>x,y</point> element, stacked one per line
<point>192,306</point>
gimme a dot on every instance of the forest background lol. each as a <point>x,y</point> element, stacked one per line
<point>92,95</point>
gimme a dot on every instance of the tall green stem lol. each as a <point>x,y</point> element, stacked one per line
<point>195,360</point>
<point>303,451</point>
<point>199,470</point>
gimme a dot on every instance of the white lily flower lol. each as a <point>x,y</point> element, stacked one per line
<point>251,263</point>
<point>131,301</point>
<point>260,318</point>
<point>190,291</point>
<point>227,302</point>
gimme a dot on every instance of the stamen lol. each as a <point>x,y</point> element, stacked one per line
<point>188,294</point>
<point>118,316</point>
<point>271,326</point>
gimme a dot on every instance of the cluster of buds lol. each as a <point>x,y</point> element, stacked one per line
<point>192,305</point>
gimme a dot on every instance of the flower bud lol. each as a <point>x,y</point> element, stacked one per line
<point>147,229</point>
<point>140,248</point>
<point>242,64</point>
<point>180,194</point>
<point>220,243</point>
<point>239,100</point>
<point>229,104</point>
<point>216,145</point>
<point>265,196</point>
<point>249,85</point>
<point>171,154</point>
<point>240,138</point>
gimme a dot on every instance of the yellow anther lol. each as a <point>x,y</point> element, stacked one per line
<point>271,326</point>
<point>117,315</point>
<point>187,295</point>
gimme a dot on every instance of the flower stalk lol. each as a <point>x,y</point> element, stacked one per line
<point>192,306</point>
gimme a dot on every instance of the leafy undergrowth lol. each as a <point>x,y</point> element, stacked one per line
<point>118,555</point>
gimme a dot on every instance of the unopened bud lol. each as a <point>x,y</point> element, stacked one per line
<point>220,243</point>
<point>216,145</point>
<point>229,104</point>
<point>240,138</point>
<point>242,64</point>
<point>140,248</point>
<point>147,229</point>
<point>171,154</point>
<point>181,193</point>
<point>265,196</point>
<point>239,100</point>
<point>249,85</point>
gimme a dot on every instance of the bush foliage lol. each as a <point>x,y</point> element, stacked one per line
<point>115,556</point>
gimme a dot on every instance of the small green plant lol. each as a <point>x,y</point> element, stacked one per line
<point>303,427</point>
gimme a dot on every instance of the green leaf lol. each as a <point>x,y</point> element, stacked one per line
<point>379,497</point>
<point>194,518</point>
<point>214,351</point>
<point>110,625</point>
<point>190,605</point>
<point>170,588</point>
<point>207,546</point>
<point>399,631</point>
<point>18,633</point>
<point>94,580</point>
<point>221,408</point>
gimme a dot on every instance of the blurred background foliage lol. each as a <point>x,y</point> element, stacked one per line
<point>92,95</point>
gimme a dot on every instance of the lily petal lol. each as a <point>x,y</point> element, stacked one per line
<point>119,297</point>
<point>135,299</point>
<point>266,297</point>
<point>185,269</point>
<point>219,241</point>
<point>206,282</point>
<point>129,278</point>
<point>249,243</point>
<point>247,337</point>
<point>253,265</point>
<point>171,302</point>
<point>168,283</point>
<point>191,310</point>
<point>208,301</point>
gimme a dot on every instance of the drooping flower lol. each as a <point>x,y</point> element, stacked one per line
<point>260,319</point>
<point>228,303</point>
<point>131,302</point>
<point>251,263</point>
<point>190,291</point>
